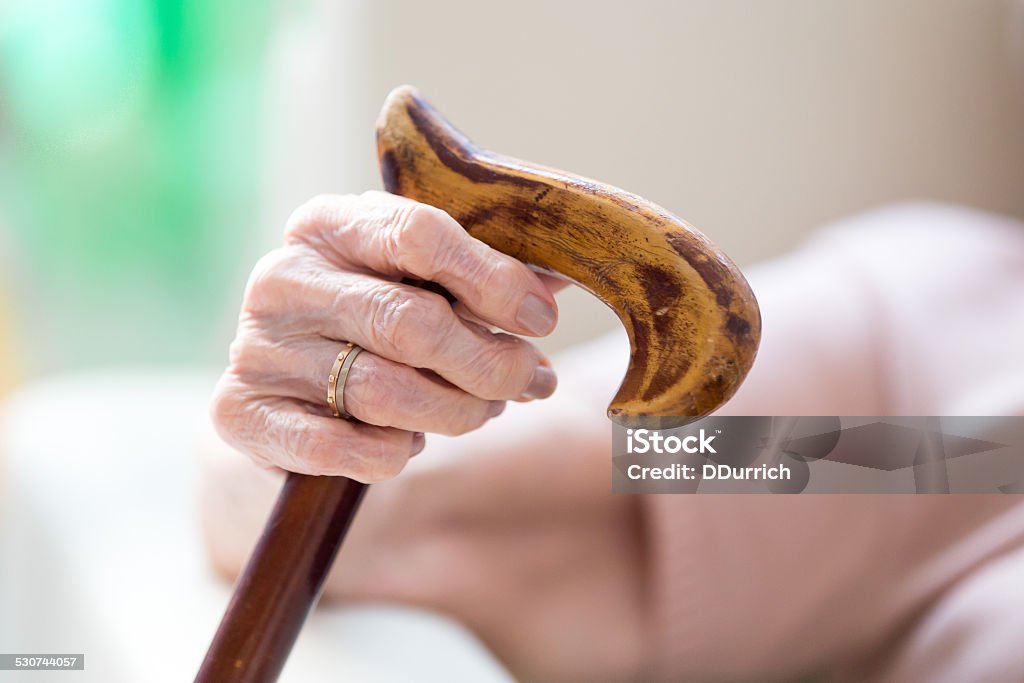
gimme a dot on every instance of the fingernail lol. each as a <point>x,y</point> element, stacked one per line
<point>536,315</point>
<point>496,408</point>
<point>419,442</point>
<point>542,385</point>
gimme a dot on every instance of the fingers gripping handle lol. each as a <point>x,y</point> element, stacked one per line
<point>693,323</point>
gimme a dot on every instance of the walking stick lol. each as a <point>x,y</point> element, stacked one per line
<point>692,321</point>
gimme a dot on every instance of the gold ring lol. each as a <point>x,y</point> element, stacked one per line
<point>336,380</point>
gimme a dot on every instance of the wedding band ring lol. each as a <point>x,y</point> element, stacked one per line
<point>336,380</point>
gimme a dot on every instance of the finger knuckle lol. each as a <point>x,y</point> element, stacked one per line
<point>440,413</point>
<point>419,238</point>
<point>311,216</point>
<point>481,266</point>
<point>464,422</point>
<point>384,464</point>
<point>401,322</point>
<point>232,417</point>
<point>225,410</point>
<point>242,357</point>
<point>238,420</point>
<point>371,456</point>
<point>393,320</point>
<point>248,357</point>
<point>313,453</point>
<point>504,369</point>
<point>499,278</point>
<point>269,283</point>
<point>369,393</point>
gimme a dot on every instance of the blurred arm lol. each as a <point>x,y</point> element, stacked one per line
<point>891,313</point>
<point>512,528</point>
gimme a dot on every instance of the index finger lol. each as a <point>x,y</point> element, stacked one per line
<point>399,237</point>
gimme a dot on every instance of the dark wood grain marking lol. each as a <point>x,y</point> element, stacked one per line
<point>737,325</point>
<point>662,290</point>
<point>668,375</point>
<point>390,172</point>
<point>466,160</point>
<point>477,216</point>
<point>712,271</point>
<point>638,361</point>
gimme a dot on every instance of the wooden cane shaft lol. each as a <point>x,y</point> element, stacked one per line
<point>282,579</point>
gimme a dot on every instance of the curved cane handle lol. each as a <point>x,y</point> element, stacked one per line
<point>693,322</point>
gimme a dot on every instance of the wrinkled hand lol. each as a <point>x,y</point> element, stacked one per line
<point>427,367</point>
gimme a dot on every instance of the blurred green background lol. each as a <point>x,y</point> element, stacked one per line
<point>128,171</point>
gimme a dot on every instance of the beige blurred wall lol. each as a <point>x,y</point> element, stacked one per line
<point>756,121</point>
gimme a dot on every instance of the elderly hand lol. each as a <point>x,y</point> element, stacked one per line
<point>426,367</point>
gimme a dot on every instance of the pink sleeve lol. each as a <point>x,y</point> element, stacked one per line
<point>913,310</point>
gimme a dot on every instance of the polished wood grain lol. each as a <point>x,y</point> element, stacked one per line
<point>693,323</point>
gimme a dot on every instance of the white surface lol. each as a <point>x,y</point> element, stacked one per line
<point>100,551</point>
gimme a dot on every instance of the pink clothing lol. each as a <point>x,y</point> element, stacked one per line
<point>913,310</point>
